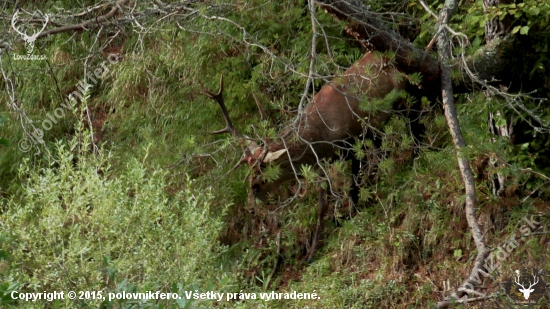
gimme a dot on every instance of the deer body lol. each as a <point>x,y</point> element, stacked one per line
<point>334,115</point>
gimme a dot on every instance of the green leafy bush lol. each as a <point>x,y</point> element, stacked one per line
<point>76,227</point>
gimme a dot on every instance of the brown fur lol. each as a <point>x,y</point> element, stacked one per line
<point>333,115</point>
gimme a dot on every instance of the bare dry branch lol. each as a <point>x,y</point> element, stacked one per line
<point>367,27</point>
<point>444,49</point>
<point>92,23</point>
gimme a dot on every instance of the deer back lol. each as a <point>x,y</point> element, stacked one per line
<point>333,115</point>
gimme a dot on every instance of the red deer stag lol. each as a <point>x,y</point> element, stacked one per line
<point>333,115</point>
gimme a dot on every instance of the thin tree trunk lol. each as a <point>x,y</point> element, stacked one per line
<point>444,48</point>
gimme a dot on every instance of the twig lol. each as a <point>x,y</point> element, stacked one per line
<point>87,24</point>
<point>88,10</point>
<point>90,122</point>
<point>534,172</point>
<point>278,251</point>
<point>312,60</point>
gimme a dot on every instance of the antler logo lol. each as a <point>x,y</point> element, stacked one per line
<point>526,287</point>
<point>526,291</point>
<point>29,40</point>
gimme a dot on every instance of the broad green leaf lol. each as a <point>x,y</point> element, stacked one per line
<point>524,30</point>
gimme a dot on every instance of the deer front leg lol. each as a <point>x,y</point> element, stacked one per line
<point>315,238</point>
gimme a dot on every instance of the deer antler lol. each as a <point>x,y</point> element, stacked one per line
<point>13,21</point>
<point>35,34</point>
<point>516,281</point>
<point>535,278</point>
<point>43,27</point>
<point>229,128</point>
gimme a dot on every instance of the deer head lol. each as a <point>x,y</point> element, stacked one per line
<point>253,155</point>
<point>333,115</point>
<point>527,291</point>
<point>32,38</point>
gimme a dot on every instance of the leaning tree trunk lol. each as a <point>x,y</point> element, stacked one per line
<point>489,63</point>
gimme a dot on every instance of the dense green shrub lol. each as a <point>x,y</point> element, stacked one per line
<point>76,227</point>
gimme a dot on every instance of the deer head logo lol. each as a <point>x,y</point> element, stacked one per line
<point>29,40</point>
<point>526,287</point>
<point>526,291</point>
